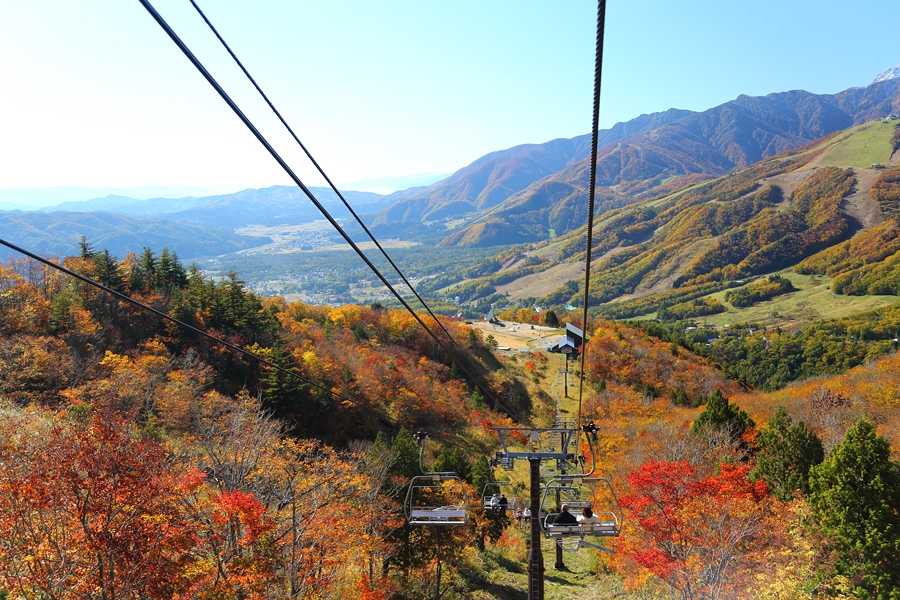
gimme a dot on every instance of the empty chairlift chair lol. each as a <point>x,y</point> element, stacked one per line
<point>435,498</point>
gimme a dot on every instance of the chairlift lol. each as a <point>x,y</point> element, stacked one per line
<point>435,498</point>
<point>492,496</point>
<point>579,493</point>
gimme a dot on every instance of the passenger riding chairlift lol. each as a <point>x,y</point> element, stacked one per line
<point>571,537</point>
<point>435,498</point>
<point>584,489</point>
<point>580,492</point>
<point>491,489</point>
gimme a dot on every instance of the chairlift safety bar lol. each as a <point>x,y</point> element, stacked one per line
<point>563,438</point>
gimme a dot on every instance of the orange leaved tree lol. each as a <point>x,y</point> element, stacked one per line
<point>91,512</point>
<point>699,536</point>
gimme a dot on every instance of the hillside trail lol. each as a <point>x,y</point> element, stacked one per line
<point>860,205</point>
<point>577,579</point>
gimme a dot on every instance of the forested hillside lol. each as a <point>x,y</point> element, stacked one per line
<point>142,461</point>
<point>696,239</point>
<point>228,489</point>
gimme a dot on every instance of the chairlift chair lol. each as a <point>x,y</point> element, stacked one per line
<point>588,493</point>
<point>435,498</point>
<point>490,490</point>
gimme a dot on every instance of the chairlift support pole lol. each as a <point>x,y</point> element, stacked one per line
<point>535,555</point>
<point>535,454</point>
<point>559,565</point>
<point>559,551</point>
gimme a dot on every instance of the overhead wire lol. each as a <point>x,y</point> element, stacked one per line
<point>598,68</point>
<point>339,194</point>
<point>318,167</point>
<point>187,326</point>
<point>124,297</point>
<point>262,140</point>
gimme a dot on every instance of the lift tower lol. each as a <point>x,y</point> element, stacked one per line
<point>535,445</point>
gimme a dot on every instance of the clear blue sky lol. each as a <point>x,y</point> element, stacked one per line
<point>95,94</point>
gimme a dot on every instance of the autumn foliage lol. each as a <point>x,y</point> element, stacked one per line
<point>140,462</point>
<point>696,534</point>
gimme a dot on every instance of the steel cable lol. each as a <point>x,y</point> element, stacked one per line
<point>598,67</point>
<point>287,169</point>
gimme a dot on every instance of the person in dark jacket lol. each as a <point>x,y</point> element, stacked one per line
<point>565,517</point>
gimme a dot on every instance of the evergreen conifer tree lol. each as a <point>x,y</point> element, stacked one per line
<point>855,494</point>
<point>406,459</point>
<point>283,393</point>
<point>550,319</point>
<point>720,413</point>
<point>451,460</point>
<point>108,272</point>
<point>787,452</point>
<point>481,473</point>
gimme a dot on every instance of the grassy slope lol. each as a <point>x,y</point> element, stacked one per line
<point>867,144</point>
<point>811,302</point>
<point>509,580</point>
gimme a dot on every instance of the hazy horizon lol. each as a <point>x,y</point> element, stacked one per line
<point>373,89</point>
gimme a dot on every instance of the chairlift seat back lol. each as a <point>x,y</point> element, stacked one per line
<point>438,516</point>
<point>597,529</point>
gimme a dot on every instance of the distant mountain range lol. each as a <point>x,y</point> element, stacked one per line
<point>35,198</point>
<point>193,226</point>
<point>527,193</point>
<point>496,176</point>
<point>637,163</point>
<point>58,233</point>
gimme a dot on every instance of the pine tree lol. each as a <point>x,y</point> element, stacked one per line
<point>284,393</point>
<point>108,272</point>
<point>787,452</point>
<point>855,493</point>
<point>406,461</point>
<point>481,473</point>
<point>451,460</point>
<point>148,265</point>
<point>87,249</point>
<point>720,413</point>
<point>550,319</point>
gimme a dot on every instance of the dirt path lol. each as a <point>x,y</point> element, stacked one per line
<point>860,205</point>
<point>788,182</point>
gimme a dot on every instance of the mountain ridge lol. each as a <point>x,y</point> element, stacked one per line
<point>711,143</point>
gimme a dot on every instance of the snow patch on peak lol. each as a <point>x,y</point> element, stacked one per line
<point>889,74</point>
